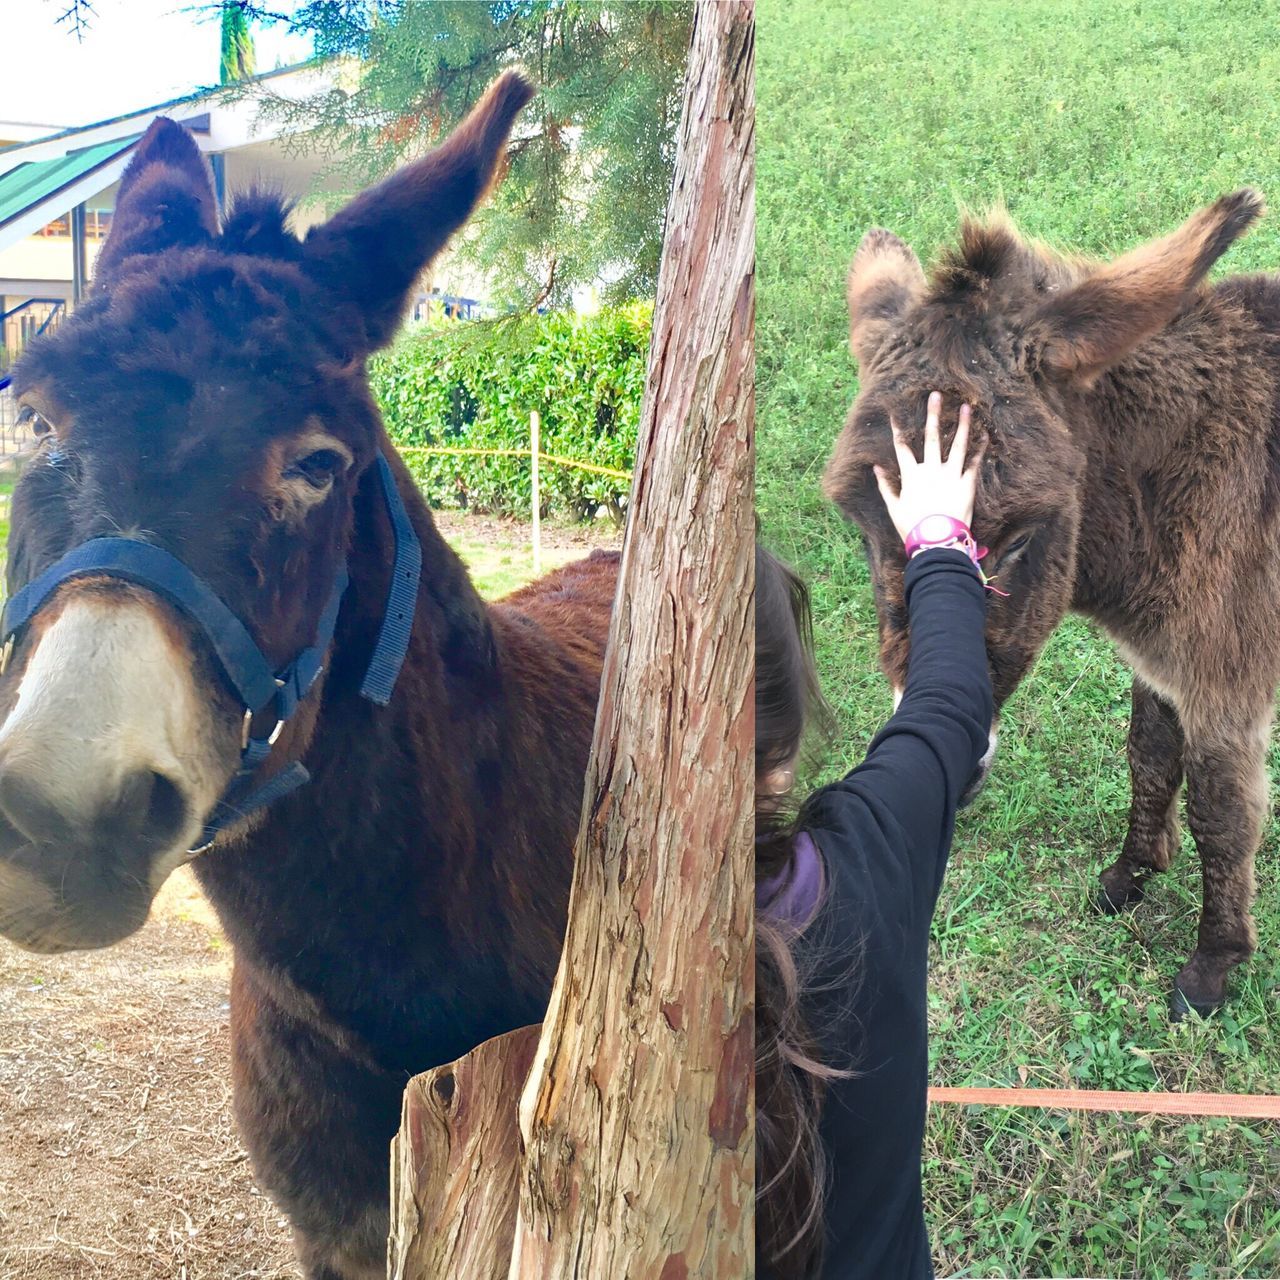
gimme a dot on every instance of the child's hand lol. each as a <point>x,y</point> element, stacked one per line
<point>933,487</point>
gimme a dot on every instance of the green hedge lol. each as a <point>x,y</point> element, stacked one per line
<point>473,384</point>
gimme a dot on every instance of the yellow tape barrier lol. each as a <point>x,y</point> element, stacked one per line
<point>518,453</point>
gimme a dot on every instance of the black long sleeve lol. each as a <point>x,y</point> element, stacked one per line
<point>885,832</point>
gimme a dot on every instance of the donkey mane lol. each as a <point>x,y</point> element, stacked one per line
<point>989,246</point>
<point>257,224</point>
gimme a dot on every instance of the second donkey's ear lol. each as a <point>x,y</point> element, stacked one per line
<point>884,280</point>
<point>1097,322</point>
<point>370,254</point>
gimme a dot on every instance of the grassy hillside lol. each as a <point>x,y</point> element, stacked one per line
<point>1097,124</point>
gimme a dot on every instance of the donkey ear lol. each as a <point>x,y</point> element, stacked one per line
<point>1096,323</point>
<point>370,254</point>
<point>166,199</point>
<point>884,280</point>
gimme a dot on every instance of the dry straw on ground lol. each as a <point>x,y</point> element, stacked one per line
<point>118,1154</point>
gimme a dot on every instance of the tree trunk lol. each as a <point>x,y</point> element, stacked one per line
<point>455,1165</point>
<point>637,1118</point>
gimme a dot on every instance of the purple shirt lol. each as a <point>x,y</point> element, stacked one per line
<point>792,896</point>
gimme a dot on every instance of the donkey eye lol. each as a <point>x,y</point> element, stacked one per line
<point>35,422</point>
<point>320,467</point>
<point>1014,547</point>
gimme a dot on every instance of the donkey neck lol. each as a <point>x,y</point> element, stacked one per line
<point>1171,434</point>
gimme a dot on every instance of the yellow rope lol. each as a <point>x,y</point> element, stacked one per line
<point>518,453</point>
<point>585,466</point>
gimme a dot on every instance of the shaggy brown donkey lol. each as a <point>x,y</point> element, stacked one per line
<point>209,399</point>
<point>1132,415</point>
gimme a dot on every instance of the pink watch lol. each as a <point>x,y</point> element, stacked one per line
<point>943,531</point>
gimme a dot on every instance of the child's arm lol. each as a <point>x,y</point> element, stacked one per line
<point>905,793</point>
<point>886,827</point>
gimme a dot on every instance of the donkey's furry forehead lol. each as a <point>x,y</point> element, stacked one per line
<point>992,254</point>
<point>1057,318</point>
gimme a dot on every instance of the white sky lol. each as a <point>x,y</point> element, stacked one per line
<point>135,54</point>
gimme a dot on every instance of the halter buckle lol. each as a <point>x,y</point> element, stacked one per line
<point>246,727</point>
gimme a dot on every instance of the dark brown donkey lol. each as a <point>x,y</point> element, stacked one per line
<point>1132,420</point>
<point>209,399</point>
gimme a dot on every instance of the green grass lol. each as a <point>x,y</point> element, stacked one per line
<point>498,553</point>
<point>6,501</point>
<point>1097,124</point>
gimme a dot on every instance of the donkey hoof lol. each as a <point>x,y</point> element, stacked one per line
<point>1181,1004</point>
<point>1110,903</point>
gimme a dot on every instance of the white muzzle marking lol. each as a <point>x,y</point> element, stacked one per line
<point>109,691</point>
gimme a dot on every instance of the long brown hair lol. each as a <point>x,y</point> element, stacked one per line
<point>790,1077</point>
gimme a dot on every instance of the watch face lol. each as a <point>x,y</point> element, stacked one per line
<point>936,529</point>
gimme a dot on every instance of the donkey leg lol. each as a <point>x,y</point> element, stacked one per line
<point>318,1124</point>
<point>1155,772</point>
<point>320,1262</point>
<point>1226,807</point>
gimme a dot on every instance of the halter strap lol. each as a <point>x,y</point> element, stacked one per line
<point>402,598</point>
<point>151,567</point>
<point>241,660</point>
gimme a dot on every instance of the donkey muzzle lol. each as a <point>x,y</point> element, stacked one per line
<point>973,788</point>
<point>109,758</point>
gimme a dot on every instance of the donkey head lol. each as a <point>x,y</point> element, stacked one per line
<point>1022,335</point>
<point>209,398</point>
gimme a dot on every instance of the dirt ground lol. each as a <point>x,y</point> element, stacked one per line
<point>463,526</point>
<point>118,1154</point>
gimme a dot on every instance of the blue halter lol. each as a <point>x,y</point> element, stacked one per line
<point>243,663</point>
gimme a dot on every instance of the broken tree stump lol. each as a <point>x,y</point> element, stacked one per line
<point>455,1165</point>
